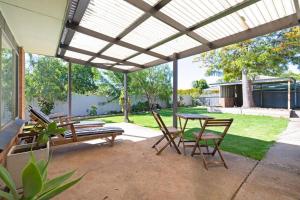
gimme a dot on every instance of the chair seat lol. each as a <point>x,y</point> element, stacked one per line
<point>173,130</point>
<point>94,131</point>
<point>208,135</point>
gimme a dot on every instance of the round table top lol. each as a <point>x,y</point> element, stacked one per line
<point>193,116</point>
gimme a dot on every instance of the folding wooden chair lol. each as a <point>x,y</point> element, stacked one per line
<point>169,133</point>
<point>206,135</point>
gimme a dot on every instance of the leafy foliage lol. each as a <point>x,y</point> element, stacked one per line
<point>92,111</point>
<point>154,83</point>
<point>47,80</point>
<point>36,185</point>
<point>266,55</point>
<point>200,85</point>
<point>51,130</point>
<point>194,92</point>
<point>84,79</point>
<point>140,107</point>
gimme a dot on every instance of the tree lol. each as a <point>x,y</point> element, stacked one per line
<point>111,84</point>
<point>84,79</point>
<point>265,55</point>
<point>47,80</point>
<point>200,85</point>
<point>154,83</point>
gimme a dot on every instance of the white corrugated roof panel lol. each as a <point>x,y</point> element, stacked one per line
<point>125,67</point>
<point>152,2</point>
<point>76,55</point>
<point>109,17</point>
<point>149,33</point>
<point>119,52</point>
<point>142,59</point>
<point>177,45</point>
<point>103,61</point>
<point>86,42</point>
<point>252,16</point>
<point>190,12</point>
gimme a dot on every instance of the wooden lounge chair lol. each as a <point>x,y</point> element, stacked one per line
<point>169,133</point>
<point>207,135</point>
<point>62,118</point>
<point>77,134</point>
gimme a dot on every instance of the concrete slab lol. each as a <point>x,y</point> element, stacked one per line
<point>132,170</point>
<point>278,175</point>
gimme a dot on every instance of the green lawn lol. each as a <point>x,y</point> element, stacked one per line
<point>249,135</point>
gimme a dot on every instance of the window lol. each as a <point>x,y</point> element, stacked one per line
<point>8,82</point>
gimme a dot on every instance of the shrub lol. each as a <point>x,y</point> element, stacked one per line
<point>92,111</point>
<point>140,107</point>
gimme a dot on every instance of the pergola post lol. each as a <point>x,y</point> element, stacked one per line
<point>289,95</point>
<point>126,119</point>
<point>70,89</point>
<point>21,83</point>
<point>175,88</point>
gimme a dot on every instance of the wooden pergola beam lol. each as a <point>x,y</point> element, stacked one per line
<point>263,29</point>
<point>297,7</point>
<point>166,19</point>
<point>207,45</point>
<point>76,18</point>
<point>82,51</point>
<point>112,40</point>
<point>135,24</point>
<point>82,62</point>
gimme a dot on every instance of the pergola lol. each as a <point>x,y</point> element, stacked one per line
<point>131,35</point>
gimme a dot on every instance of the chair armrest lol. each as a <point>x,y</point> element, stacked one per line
<point>67,124</point>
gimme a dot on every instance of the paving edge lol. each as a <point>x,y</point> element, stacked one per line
<point>244,181</point>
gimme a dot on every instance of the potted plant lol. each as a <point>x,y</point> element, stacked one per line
<point>35,183</point>
<point>19,154</point>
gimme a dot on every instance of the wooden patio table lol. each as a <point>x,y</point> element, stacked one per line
<point>186,117</point>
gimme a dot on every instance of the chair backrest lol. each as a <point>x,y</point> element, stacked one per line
<point>226,123</point>
<point>40,115</point>
<point>160,122</point>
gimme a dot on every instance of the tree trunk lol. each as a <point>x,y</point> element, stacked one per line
<point>247,90</point>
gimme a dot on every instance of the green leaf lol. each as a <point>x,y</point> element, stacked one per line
<point>8,181</point>
<point>58,190</point>
<point>32,180</point>
<point>42,166</point>
<point>52,127</point>
<point>56,182</point>
<point>42,139</point>
<point>7,195</point>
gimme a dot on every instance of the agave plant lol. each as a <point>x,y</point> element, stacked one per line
<point>36,185</point>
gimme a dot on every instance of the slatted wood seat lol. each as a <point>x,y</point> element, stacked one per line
<point>62,118</point>
<point>169,134</point>
<point>206,135</point>
<point>77,134</point>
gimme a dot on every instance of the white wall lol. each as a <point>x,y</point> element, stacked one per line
<point>186,100</point>
<point>80,104</point>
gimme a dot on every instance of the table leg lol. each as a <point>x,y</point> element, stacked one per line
<point>183,131</point>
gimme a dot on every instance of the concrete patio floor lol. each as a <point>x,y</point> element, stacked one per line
<point>132,170</point>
